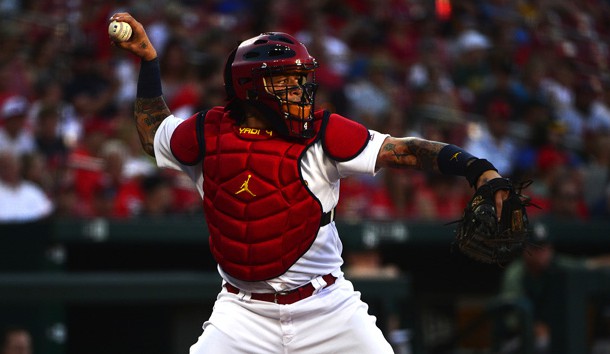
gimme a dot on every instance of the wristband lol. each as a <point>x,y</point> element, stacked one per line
<point>452,160</point>
<point>149,79</point>
<point>476,169</point>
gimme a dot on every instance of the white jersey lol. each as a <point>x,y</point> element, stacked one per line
<point>322,175</point>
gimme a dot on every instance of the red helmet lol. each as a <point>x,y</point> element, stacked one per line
<point>248,77</point>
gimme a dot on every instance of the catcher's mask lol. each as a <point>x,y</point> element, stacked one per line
<point>275,73</point>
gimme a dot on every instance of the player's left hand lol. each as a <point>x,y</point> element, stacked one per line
<point>490,235</point>
<point>500,195</point>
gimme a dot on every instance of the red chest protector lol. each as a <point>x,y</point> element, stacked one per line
<point>261,216</point>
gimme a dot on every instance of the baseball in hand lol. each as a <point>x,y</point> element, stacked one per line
<point>119,31</point>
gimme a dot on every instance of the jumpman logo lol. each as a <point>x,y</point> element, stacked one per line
<point>454,157</point>
<point>244,187</point>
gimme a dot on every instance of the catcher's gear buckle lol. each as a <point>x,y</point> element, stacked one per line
<point>280,293</point>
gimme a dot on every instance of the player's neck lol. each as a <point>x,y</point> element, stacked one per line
<point>253,121</point>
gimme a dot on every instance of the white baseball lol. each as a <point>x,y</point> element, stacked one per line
<point>119,31</point>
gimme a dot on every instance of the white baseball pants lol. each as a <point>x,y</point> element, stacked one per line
<point>333,321</point>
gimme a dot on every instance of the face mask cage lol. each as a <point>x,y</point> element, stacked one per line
<point>292,96</point>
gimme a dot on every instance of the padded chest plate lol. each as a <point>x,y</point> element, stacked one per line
<point>261,216</point>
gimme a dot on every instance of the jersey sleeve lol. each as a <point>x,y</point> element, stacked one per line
<point>165,157</point>
<point>365,161</point>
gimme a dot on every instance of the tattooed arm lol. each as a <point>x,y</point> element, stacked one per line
<point>409,153</point>
<point>149,113</point>
<point>419,154</point>
<point>150,108</point>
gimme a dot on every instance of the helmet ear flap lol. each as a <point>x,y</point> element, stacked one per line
<point>228,76</point>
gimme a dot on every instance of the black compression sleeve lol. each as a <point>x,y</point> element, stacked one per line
<point>149,79</point>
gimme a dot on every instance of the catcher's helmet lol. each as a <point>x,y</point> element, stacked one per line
<point>248,77</point>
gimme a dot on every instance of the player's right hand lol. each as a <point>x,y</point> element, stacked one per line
<point>139,44</point>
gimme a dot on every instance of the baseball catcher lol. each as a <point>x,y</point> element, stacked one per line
<point>267,165</point>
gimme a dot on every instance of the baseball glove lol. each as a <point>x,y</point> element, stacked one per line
<point>481,236</point>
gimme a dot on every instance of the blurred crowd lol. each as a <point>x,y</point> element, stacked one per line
<point>523,83</point>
